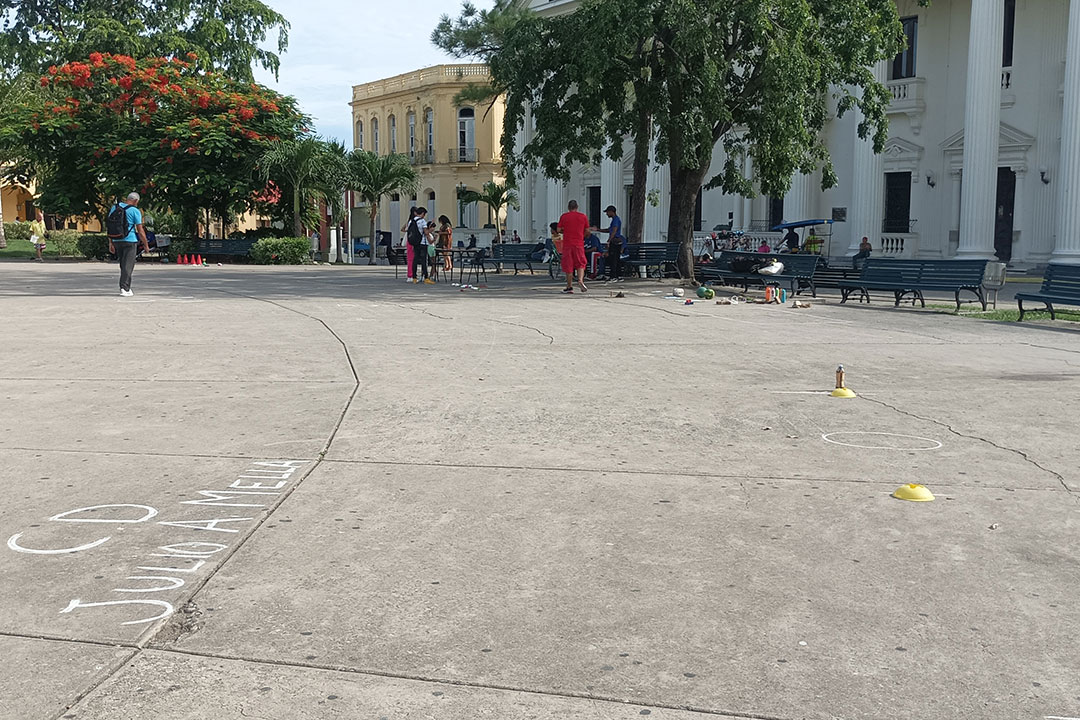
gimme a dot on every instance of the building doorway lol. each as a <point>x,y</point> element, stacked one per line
<point>1006,206</point>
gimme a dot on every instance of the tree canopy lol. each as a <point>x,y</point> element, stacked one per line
<point>224,34</point>
<point>185,138</point>
<point>759,78</point>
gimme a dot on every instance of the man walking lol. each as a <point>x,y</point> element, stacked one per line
<point>616,243</point>
<point>125,230</point>
<point>573,225</point>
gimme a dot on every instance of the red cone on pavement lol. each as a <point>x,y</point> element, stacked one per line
<point>198,260</point>
<point>182,260</point>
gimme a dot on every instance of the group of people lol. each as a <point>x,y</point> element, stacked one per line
<point>423,242</point>
<point>580,247</point>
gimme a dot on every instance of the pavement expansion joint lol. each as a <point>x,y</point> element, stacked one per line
<point>421,311</point>
<point>1027,458</point>
<point>466,683</point>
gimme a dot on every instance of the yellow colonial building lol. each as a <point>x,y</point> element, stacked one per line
<point>454,147</point>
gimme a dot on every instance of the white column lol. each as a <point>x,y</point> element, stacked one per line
<point>797,203</point>
<point>611,185</point>
<point>868,187</point>
<point>982,127</point>
<point>748,203</point>
<point>654,220</point>
<point>1067,247</point>
<point>954,207</point>
<point>557,199</point>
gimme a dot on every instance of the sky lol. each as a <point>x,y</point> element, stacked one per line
<point>335,44</point>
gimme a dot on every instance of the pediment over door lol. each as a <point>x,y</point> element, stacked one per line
<point>902,155</point>
<point>1013,147</point>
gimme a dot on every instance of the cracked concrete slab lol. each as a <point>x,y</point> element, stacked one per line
<point>628,503</point>
<point>779,598</point>
<point>123,537</point>
<point>56,673</point>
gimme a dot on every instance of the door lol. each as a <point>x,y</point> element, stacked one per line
<point>1006,202</point>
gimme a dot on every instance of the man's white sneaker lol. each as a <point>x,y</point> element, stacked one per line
<point>126,293</point>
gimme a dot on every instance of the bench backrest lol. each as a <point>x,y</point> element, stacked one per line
<point>229,246</point>
<point>924,273</point>
<point>797,264</point>
<point>511,251</point>
<point>649,253</point>
<point>1062,279</point>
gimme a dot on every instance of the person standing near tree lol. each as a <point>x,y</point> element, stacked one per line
<point>573,225</point>
<point>125,230</point>
<point>37,234</point>
<point>616,243</point>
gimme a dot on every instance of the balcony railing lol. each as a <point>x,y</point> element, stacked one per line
<point>898,226</point>
<point>463,155</point>
<point>1006,78</point>
<point>422,157</point>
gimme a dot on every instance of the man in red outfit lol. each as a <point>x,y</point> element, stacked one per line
<point>573,225</point>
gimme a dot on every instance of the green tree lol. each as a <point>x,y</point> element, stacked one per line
<point>756,78</point>
<point>495,196</point>
<point>13,92</point>
<point>310,165</point>
<point>187,139</point>
<point>225,34</point>
<point>374,177</point>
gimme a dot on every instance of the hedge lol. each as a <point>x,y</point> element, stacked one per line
<point>282,251</point>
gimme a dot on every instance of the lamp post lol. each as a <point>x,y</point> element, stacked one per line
<point>461,206</point>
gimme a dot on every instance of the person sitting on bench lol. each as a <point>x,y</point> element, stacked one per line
<point>865,248</point>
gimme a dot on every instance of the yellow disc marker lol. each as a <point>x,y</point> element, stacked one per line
<point>841,391</point>
<point>914,493</point>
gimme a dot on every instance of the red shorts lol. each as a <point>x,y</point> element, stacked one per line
<point>573,256</point>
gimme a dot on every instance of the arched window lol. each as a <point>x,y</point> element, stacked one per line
<point>358,140</point>
<point>375,135</point>
<point>393,134</point>
<point>432,213</point>
<point>412,136</point>
<point>466,140</point>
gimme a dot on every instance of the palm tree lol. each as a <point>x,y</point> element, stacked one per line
<point>495,196</point>
<point>373,177</point>
<point>309,164</point>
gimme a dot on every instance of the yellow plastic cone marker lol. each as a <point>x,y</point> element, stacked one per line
<point>914,493</point>
<point>841,391</point>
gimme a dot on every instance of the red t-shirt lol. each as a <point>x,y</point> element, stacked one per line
<point>574,224</point>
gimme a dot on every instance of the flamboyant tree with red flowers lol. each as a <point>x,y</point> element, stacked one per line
<point>187,139</point>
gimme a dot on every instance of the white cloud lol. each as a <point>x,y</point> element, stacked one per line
<point>335,44</point>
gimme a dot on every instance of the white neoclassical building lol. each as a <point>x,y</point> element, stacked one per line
<point>983,156</point>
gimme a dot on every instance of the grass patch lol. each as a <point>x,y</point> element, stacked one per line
<point>18,250</point>
<point>1072,316</point>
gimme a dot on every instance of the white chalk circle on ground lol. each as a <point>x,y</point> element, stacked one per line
<point>881,440</point>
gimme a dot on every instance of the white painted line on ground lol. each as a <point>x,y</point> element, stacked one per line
<point>1058,717</point>
<point>934,444</point>
<point>799,392</point>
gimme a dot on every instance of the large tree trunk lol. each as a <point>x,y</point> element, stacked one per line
<point>642,142</point>
<point>298,227</point>
<point>685,185</point>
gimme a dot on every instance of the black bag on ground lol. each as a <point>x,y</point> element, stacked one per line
<point>116,225</point>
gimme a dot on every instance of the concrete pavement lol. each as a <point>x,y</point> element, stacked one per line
<point>320,493</point>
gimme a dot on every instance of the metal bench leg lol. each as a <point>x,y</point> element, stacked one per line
<point>1050,307</point>
<point>1020,304</point>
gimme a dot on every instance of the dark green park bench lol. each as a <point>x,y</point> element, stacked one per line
<point>798,271</point>
<point>1061,285</point>
<point>512,254</point>
<point>228,246</point>
<point>912,277</point>
<point>831,271</point>
<point>650,256</point>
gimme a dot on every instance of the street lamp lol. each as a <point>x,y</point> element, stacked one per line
<point>461,206</point>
